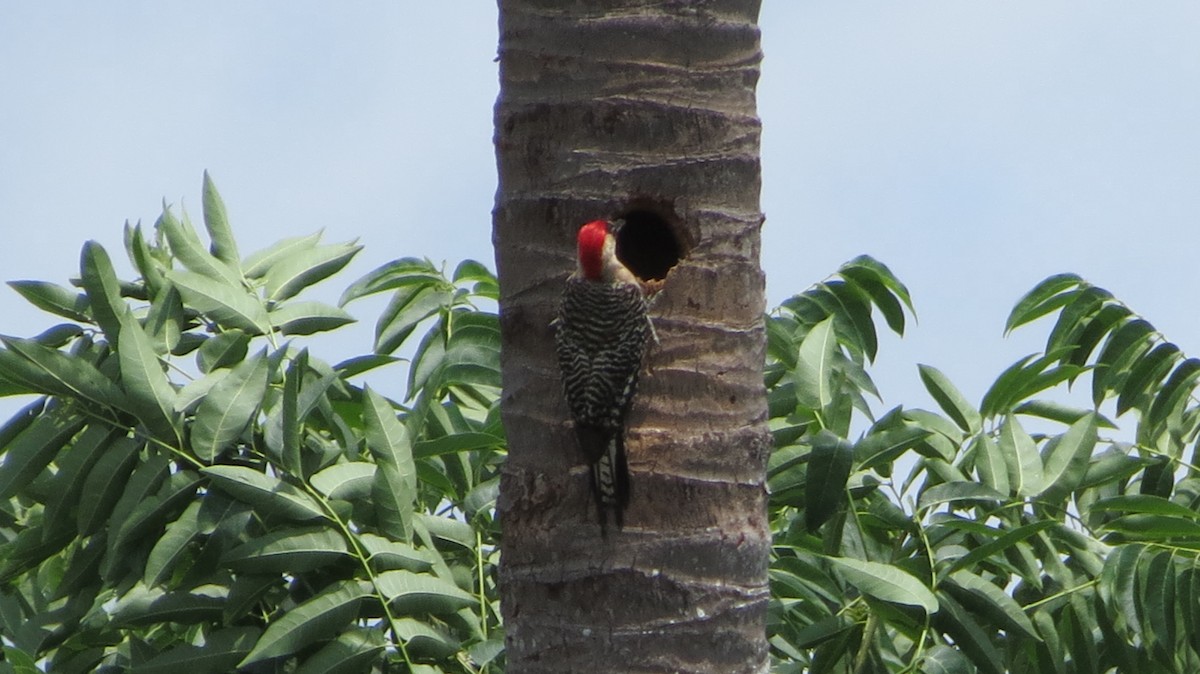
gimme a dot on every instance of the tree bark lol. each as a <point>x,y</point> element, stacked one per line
<point>608,108</point>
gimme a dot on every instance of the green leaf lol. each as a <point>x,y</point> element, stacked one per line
<point>224,349</point>
<point>829,467</point>
<point>143,259</point>
<point>103,289</point>
<point>73,376</point>
<point>1180,385</point>
<point>409,271</point>
<point>968,636</point>
<point>170,549</point>
<point>293,550</point>
<point>813,375</point>
<point>316,620</point>
<point>990,464</point>
<point>223,247</point>
<point>219,653</point>
<point>291,275</point>
<point>261,262</point>
<point>1045,297</point>
<point>1067,458</point>
<point>1074,318</point>
<point>229,407</point>
<point>396,480</point>
<point>352,367</point>
<point>291,425</point>
<point>386,555</point>
<point>187,248</point>
<point>869,282</point>
<point>954,492</point>
<point>34,448</point>
<point>269,495</point>
<point>230,305</point>
<point>306,318</point>
<point>353,651</point>
<point>145,606</point>
<point>55,299</point>
<point>349,481</point>
<point>886,583</point>
<point>73,465</point>
<point>407,308</point>
<point>1143,504</point>
<point>943,659</point>
<point>1063,414</point>
<point>854,309</point>
<point>1122,348</point>
<point>424,641</point>
<point>1146,375</point>
<point>948,397</point>
<point>1024,463</point>
<point>1005,541</point>
<point>106,483</point>
<point>151,397</point>
<point>986,598</point>
<point>415,593</point>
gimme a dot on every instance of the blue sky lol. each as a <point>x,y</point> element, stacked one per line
<point>974,147</point>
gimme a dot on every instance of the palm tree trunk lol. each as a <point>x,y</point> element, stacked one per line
<point>606,108</point>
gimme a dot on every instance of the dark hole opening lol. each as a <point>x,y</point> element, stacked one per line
<point>647,245</point>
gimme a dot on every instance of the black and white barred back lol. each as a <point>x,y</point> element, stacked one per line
<point>601,334</point>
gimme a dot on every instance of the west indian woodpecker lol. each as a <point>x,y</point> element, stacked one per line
<point>600,336</point>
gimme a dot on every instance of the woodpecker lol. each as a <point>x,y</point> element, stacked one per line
<point>600,337</point>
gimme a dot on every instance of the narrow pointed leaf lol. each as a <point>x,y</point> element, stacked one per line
<point>34,448</point>
<point>258,264</point>
<point>55,299</point>
<point>316,620</point>
<point>1067,458</point>
<point>222,350</point>
<point>103,289</point>
<point>351,652</point>
<point>220,653</point>
<point>229,407</point>
<point>306,318</point>
<point>869,283</point>
<point>106,483</point>
<point>407,308</point>
<point>410,593</point>
<point>828,469</point>
<point>269,495</point>
<point>1180,385</point>
<point>292,550</point>
<point>395,481</point>
<point>814,369</point>
<point>986,598</point>
<point>1122,348</point>
<point>948,397</point>
<point>349,481</point>
<point>223,247</point>
<point>408,271</point>
<point>76,375</point>
<point>288,277</point>
<point>1024,462</point>
<point>886,583</point>
<point>228,304</point>
<point>990,464</point>
<point>1045,297</point>
<point>151,397</point>
<point>188,249</point>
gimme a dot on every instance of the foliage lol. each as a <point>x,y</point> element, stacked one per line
<point>957,540</point>
<point>194,489</point>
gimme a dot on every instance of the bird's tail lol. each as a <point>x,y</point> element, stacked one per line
<point>610,481</point>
